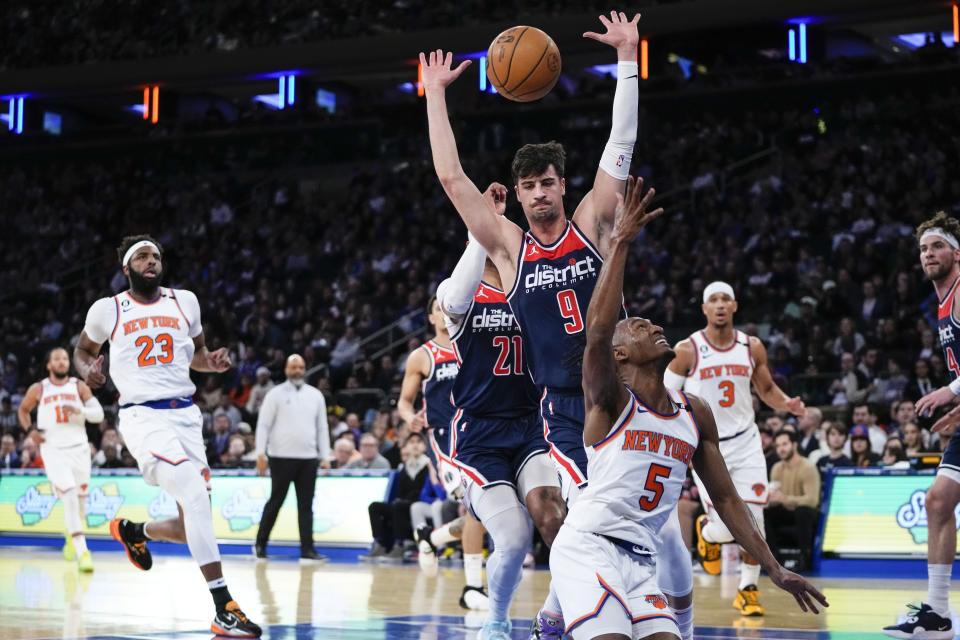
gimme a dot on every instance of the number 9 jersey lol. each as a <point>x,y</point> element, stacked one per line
<point>151,345</point>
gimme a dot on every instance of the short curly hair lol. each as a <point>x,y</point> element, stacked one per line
<point>941,220</point>
<point>535,159</point>
<point>129,241</point>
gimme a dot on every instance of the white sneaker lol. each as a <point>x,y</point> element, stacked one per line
<point>495,631</point>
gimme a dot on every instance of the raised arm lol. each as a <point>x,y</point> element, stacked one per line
<point>595,213</point>
<point>712,470</point>
<point>497,235</point>
<point>603,391</point>
<point>418,368</point>
<point>766,388</point>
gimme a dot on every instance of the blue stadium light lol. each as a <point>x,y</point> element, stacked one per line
<point>483,73</point>
<point>12,106</point>
<point>327,100</point>
<point>603,70</point>
<point>52,123</point>
<point>282,93</point>
<point>792,42</point>
<point>803,43</point>
<point>14,117</point>
<point>291,94</point>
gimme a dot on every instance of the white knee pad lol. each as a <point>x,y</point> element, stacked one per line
<point>537,472</point>
<point>674,569</point>
<point>189,489</point>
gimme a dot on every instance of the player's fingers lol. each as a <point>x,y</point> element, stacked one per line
<point>648,197</point>
<point>448,60</point>
<point>423,59</point>
<point>604,21</point>
<point>614,17</point>
<point>653,215</point>
<point>636,19</point>
<point>593,36</point>
<point>822,599</point>
<point>461,67</point>
<point>800,602</point>
<point>623,17</point>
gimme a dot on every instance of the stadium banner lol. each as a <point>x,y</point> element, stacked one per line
<point>29,506</point>
<point>874,513</point>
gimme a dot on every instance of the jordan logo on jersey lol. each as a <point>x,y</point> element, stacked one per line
<point>150,321</point>
<point>549,276</point>
<point>492,319</point>
<point>725,370</point>
<point>637,440</point>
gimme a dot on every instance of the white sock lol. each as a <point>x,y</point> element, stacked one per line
<point>217,583</point>
<point>685,622</point>
<point>552,605</point>
<point>440,537</point>
<point>473,569</point>
<point>749,575</point>
<point>71,517</point>
<point>79,543</point>
<point>145,533</point>
<point>938,588</point>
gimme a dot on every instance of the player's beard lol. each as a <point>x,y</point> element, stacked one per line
<point>543,216</point>
<point>146,288</point>
<point>60,375</point>
<point>941,272</point>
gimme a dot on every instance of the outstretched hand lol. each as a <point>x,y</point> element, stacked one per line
<point>219,360</point>
<point>803,592</point>
<point>496,197</point>
<point>947,424</point>
<point>95,378</point>
<point>437,70</point>
<point>631,215</point>
<point>621,34</point>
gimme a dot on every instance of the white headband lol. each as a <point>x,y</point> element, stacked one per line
<point>136,247</point>
<point>718,287</point>
<point>941,233</point>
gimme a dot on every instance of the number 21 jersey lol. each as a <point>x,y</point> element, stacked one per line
<point>549,299</point>
<point>151,345</point>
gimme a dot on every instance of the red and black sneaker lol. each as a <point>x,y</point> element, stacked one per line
<point>136,546</point>
<point>233,623</point>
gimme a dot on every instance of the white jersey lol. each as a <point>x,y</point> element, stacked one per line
<point>636,473</point>
<point>723,378</point>
<point>59,429</point>
<point>151,345</point>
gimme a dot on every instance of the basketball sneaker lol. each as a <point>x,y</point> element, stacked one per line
<point>427,556</point>
<point>707,552</point>
<point>546,627</point>
<point>85,562</point>
<point>495,630</point>
<point>69,553</point>
<point>922,622</point>
<point>747,601</point>
<point>124,532</point>
<point>475,598</point>
<point>233,623</point>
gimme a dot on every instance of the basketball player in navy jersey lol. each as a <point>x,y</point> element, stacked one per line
<point>496,436</point>
<point>551,270</point>
<point>430,372</point>
<point>939,244</point>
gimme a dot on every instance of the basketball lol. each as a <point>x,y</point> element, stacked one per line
<point>523,63</point>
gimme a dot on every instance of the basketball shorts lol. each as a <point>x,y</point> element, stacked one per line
<point>950,464</point>
<point>439,440</point>
<point>492,451</point>
<point>164,436</point>
<point>563,416</point>
<point>67,467</point>
<point>747,466</point>
<point>605,589</point>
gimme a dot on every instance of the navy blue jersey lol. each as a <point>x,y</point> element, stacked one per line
<point>493,380</point>
<point>437,386</point>
<point>550,298</point>
<point>949,331</point>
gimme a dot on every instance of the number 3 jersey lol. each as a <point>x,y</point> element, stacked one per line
<point>636,473</point>
<point>550,298</point>
<point>722,378</point>
<point>493,380</point>
<point>151,345</point>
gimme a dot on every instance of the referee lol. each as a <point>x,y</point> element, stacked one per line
<point>292,431</point>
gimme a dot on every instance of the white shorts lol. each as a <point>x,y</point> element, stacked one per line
<point>164,436</point>
<point>604,589</point>
<point>67,467</point>
<point>747,466</point>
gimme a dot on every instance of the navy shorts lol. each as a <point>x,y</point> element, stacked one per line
<point>438,443</point>
<point>951,455</point>
<point>492,451</point>
<point>563,418</point>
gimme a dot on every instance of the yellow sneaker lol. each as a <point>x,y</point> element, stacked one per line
<point>69,553</point>
<point>707,552</point>
<point>85,562</point>
<point>747,602</point>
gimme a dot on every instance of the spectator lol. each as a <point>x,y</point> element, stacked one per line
<point>921,383</point>
<point>259,390</point>
<point>836,437</point>
<point>240,394</point>
<point>226,408</point>
<point>30,451</point>
<point>9,458</point>
<point>864,414</point>
<point>810,431</point>
<point>861,455</point>
<point>344,452</point>
<point>211,394</point>
<point>849,341</point>
<point>913,440</point>
<point>791,516</point>
<point>220,440</point>
<point>112,453</point>
<point>851,386</point>
<point>904,414</point>
<point>766,441</point>
<point>370,457</point>
<point>390,522</point>
<point>233,458</point>
<point>894,456</point>
<point>8,417</point>
<point>346,351</point>
<point>431,503</point>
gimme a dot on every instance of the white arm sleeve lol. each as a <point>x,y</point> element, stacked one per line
<point>673,380</point>
<point>191,309</point>
<point>93,411</point>
<point>455,294</point>
<point>101,319</point>
<point>618,153</point>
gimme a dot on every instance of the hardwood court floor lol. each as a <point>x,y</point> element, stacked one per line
<point>41,596</point>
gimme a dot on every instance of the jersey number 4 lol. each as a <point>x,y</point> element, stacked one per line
<point>503,364</point>
<point>569,309</point>
<point>654,484</point>
<point>952,362</point>
<point>146,343</point>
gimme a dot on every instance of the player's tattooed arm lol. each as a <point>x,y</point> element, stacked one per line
<point>209,361</point>
<point>766,388</point>
<point>710,467</point>
<point>604,393</point>
<point>88,361</point>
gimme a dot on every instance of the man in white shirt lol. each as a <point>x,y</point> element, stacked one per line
<point>292,431</point>
<point>259,390</point>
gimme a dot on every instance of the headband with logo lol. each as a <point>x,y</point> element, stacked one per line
<point>136,247</point>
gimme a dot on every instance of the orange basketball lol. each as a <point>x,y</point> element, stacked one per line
<point>523,63</point>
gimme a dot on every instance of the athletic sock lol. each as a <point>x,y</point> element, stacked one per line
<point>551,607</point>
<point>79,543</point>
<point>685,622</point>
<point>220,593</point>
<point>938,588</point>
<point>441,537</point>
<point>473,569</point>
<point>749,575</point>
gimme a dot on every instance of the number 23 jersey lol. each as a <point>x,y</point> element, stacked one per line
<point>151,345</point>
